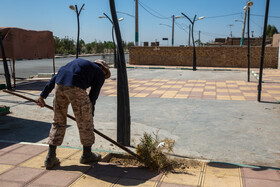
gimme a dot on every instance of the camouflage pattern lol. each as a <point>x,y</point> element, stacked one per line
<point>82,108</point>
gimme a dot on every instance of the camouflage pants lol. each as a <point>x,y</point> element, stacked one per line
<point>82,108</point>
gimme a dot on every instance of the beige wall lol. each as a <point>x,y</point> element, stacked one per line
<point>206,56</point>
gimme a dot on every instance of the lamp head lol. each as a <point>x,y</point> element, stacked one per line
<point>250,4</point>
<point>72,7</point>
<point>121,19</point>
<point>178,17</point>
<point>101,16</point>
<point>200,18</point>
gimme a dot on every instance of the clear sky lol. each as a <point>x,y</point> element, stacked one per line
<point>154,18</point>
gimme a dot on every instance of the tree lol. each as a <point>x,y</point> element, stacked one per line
<point>271,30</point>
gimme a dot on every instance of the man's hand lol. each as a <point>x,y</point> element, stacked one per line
<point>41,102</point>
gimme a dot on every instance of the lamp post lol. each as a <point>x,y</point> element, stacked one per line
<point>194,52</point>
<point>249,5</point>
<point>173,20</point>
<point>123,107</point>
<point>78,35</point>
<point>6,69</point>
<point>115,54</point>
<point>263,49</point>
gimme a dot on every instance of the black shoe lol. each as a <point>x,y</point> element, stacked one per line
<point>92,157</point>
<point>50,162</point>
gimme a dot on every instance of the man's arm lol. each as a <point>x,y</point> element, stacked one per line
<point>46,91</point>
<point>95,90</point>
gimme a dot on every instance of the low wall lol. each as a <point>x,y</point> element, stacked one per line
<point>205,56</point>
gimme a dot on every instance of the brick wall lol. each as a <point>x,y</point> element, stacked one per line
<point>206,56</point>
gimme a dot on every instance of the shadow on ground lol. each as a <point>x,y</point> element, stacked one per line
<point>35,85</point>
<point>23,130</point>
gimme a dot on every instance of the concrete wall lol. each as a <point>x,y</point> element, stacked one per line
<point>206,56</point>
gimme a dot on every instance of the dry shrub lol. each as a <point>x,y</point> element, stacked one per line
<point>151,151</point>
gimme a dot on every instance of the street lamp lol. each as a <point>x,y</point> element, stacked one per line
<point>115,54</point>
<point>173,20</point>
<point>249,5</point>
<point>78,14</point>
<point>194,52</point>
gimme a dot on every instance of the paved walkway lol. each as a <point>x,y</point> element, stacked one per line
<point>22,165</point>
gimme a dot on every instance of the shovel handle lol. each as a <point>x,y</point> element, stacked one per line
<point>71,117</point>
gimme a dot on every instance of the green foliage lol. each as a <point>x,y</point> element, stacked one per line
<point>271,30</point>
<point>68,46</point>
<point>151,151</point>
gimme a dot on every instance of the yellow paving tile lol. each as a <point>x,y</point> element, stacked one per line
<point>101,181</point>
<point>223,97</point>
<point>210,87</point>
<point>134,182</point>
<point>239,98</point>
<point>273,91</point>
<point>185,89</point>
<point>140,88</point>
<point>148,84</point>
<point>181,96</point>
<point>249,94</point>
<point>134,85</point>
<point>234,91</point>
<point>151,88</point>
<point>158,92</point>
<point>245,88</point>
<point>158,84</point>
<point>155,79</point>
<point>109,91</point>
<point>241,83</point>
<point>220,177</point>
<point>163,80</point>
<point>62,153</point>
<point>232,86</point>
<point>112,95</point>
<point>210,83</point>
<point>167,96</point>
<point>191,177</point>
<point>171,92</point>
<point>37,161</point>
<point>165,86</point>
<point>132,94</point>
<point>141,95</point>
<point>73,163</point>
<point>177,86</point>
<point>266,95</point>
<point>209,93</point>
<point>189,84</point>
<point>192,80</point>
<point>197,89</point>
<point>4,167</point>
<point>230,81</point>
<point>222,90</point>
<point>277,98</point>
<point>107,87</point>
<point>199,84</point>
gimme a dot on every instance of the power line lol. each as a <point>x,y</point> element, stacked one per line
<point>210,17</point>
<point>263,16</point>
<point>146,8</point>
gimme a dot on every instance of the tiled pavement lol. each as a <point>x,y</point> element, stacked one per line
<point>196,89</point>
<point>22,165</point>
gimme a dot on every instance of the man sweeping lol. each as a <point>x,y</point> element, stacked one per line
<point>70,84</point>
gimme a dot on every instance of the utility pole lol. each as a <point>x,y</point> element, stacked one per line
<point>136,24</point>
<point>199,37</point>
<point>189,34</point>
<point>172,40</point>
<point>243,27</point>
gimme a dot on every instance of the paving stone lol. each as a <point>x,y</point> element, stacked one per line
<point>87,180</point>
<point>56,178</point>
<point>4,168</point>
<point>30,149</point>
<point>107,169</point>
<point>21,174</point>
<point>191,177</point>
<point>142,174</point>
<point>36,162</point>
<point>13,158</point>
<point>134,182</point>
<point>173,185</point>
<point>11,183</point>
<point>265,174</point>
<point>249,182</point>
